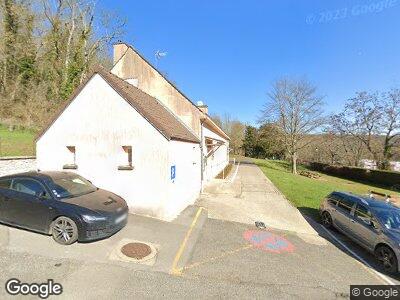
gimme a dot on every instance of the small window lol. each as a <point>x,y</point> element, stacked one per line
<point>362,213</point>
<point>30,187</point>
<point>71,165</point>
<point>5,184</point>
<point>128,159</point>
<point>346,204</point>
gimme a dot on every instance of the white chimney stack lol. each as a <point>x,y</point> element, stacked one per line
<point>202,107</point>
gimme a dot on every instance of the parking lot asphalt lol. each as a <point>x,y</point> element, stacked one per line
<point>217,255</point>
<point>305,270</point>
<point>228,260</point>
<point>365,258</point>
<point>91,280</point>
<point>166,237</point>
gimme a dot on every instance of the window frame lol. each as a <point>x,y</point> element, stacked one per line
<point>73,166</point>
<point>48,194</point>
<point>128,167</point>
<point>333,198</point>
<point>341,200</point>
<point>361,220</point>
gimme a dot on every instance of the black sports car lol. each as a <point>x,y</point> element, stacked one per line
<point>63,204</point>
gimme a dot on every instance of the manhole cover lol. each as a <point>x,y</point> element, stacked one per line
<point>136,250</point>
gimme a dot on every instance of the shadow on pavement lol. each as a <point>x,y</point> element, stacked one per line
<point>308,214</point>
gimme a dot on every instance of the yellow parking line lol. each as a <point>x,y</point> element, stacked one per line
<point>217,257</point>
<point>174,269</point>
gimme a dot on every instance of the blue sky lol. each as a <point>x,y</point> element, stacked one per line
<point>227,53</point>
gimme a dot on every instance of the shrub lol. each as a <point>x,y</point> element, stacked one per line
<point>386,178</point>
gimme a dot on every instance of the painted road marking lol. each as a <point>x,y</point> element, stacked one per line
<point>174,269</point>
<point>236,171</point>
<point>364,263</point>
<point>268,241</point>
<point>225,254</point>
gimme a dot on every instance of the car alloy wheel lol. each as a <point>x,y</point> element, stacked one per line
<point>387,258</point>
<point>326,219</point>
<point>64,231</point>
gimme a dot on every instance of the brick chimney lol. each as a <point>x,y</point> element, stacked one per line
<point>119,50</point>
<point>202,107</point>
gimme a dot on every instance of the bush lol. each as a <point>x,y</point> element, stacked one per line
<point>386,178</point>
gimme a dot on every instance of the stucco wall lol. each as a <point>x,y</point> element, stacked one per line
<point>131,65</point>
<point>215,163</point>
<point>186,187</point>
<point>12,166</point>
<point>98,123</point>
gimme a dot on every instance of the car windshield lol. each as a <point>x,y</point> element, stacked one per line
<point>389,217</point>
<point>73,186</point>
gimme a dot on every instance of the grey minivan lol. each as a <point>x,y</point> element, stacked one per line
<point>373,224</point>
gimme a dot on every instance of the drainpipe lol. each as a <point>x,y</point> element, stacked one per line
<point>201,154</point>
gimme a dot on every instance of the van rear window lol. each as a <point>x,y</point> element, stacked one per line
<point>345,204</point>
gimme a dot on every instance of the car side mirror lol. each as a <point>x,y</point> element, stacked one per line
<point>374,224</point>
<point>42,195</point>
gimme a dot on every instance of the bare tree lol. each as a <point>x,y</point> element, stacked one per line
<point>296,109</point>
<point>374,120</point>
<point>390,124</point>
<point>349,150</point>
<point>233,128</point>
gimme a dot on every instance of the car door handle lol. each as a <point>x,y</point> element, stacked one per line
<point>352,221</point>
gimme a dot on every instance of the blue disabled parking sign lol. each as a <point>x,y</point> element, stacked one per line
<point>173,172</point>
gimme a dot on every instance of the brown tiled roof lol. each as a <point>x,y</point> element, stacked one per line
<point>147,106</point>
<point>213,127</point>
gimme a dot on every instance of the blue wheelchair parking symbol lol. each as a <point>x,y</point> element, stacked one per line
<point>173,172</point>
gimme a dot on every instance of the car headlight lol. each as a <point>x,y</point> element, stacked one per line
<point>89,218</point>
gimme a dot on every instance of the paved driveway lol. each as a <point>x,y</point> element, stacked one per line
<point>290,257</point>
<point>249,197</point>
<point>302,270</point>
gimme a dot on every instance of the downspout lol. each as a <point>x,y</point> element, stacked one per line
<point>201,154</point>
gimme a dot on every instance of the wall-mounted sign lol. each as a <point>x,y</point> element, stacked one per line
<point>173,172</point>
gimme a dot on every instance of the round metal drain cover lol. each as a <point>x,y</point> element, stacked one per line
<point>136,250</point>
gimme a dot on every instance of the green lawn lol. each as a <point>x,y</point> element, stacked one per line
<point>19,142</point>
<point>306,193</point>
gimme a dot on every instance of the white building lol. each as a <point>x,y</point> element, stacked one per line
<point>371,165</point>
<point>134,133</point>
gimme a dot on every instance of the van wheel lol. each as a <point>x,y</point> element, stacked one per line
<point>326,219</point>
<point>64,231</point>
<point>387,259</point>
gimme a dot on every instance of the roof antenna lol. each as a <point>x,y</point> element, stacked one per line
<point>158,55</point>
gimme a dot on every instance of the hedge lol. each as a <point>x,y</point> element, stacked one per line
<point>389,179</point>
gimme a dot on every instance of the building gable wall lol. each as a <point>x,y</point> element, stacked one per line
<point>132,66</point>
<point>98,122</point>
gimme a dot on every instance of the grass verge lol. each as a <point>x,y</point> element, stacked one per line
<point>306,193</point>
<point>19,142</point>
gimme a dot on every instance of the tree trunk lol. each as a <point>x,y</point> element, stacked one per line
<point>294,163</point>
